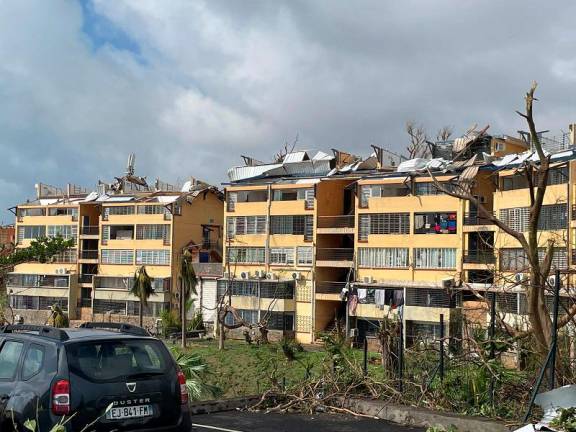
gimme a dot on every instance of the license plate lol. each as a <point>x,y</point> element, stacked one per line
<point>136,411</point>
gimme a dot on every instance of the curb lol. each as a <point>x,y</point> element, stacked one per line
<point>422,417</point>
<point>207,407</point>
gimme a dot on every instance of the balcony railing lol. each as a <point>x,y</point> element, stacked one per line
<point>85,278</point>
<point>89,254</point>
<point>344,221</point>
<point>89,230</point>
<point>335,254</point>
<point>328,287</point>
<point>479,257</point>
<point>476,219</point>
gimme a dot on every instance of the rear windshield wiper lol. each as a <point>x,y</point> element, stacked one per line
<point>144,374</point>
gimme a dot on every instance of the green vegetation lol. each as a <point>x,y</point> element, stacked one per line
<point>565,420</point>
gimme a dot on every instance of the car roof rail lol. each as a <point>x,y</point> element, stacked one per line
<point>45,331</point>
<point>121,327</point>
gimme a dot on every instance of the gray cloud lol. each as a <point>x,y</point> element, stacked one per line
<point>220,79</point>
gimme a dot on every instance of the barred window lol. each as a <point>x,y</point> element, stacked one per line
<point>65,231</point>
<point>430,297</point>
<point>296,225</point>
<point>552,217</point>
<point>250,316</point>
<point>153,256</point>
<point>279,320</point>
<point>435,223</point>
<point>515,259</point>
<point>435,258</point>
<point>381,190</point>
<point>304,255</point>
<point>253,287</point>
<point>117,256</point>
<point>383,223</point>
<point>31,232</point>
<point>153,232</point>
<point>152,209</point>
<point>282,256</point>
<point>246,255</point>
<point>426,188</point>
<point>63,211</point>
<point>507,302</point>
<point>557,175</point>
<point>67,256</point>
<point>111,282</point>
<point>114,306</point>
<point>243,225</point>
<point>118,210</point>
<point>383,257</point>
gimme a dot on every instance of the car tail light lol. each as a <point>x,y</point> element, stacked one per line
<point>183,389</point>
<point>61,397</point>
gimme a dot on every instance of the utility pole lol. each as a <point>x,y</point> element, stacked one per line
<point>183,312</point>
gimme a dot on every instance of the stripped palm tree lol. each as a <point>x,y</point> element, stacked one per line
<point>188,282</point>
<point>142,288</point>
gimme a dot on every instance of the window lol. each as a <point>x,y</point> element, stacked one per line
<point>552,217</point>
<point>250,316</point>
<point>243,225</point>
<point>65,231</point>
<point>117,232</point>
<point>153,257</point>
<point>295,225</point>
<point>153,232</point>
<point>429,297</point>
<point>383,223</point>
<point>117,256</point>
<point>435,223</point>
<point>152,209</point>
<point>9,357</point>
<point>381,190</point>
<point>32,361</point>
<point>292,194</point>
<point>282,256</point>
<point>429,188</point>
<point>557,175</point>
<point>35,211</point>
<point>515,259</point>
<point>304,255</point>
<point>113,361</point>
<point>67,256</point>
<point>31,232</point>
<point>246,255</point>
<point>279,320</point>
<point>37,280</point>
<point>435,258</point>
<point>251,288</point>
<point>63,211</point>
<point>118,211</point>
<point>383,257</point>
<point>111,282</point>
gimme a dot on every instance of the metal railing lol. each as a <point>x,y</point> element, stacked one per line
<point>335,254</point>
<point>479,257</point>
<point>328,287</point>
<point>476,219</point>
<point>85,278</point>
<point>343,221</point>
<point>89,230</point>
<point>89,254</point>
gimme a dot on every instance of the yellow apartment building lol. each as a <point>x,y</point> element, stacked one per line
<point>116,229</point>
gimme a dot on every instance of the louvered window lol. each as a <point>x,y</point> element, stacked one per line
<point>231,198</point>
<point>552,217</point>
<point>31,232</point>
<point>65,231</point>
<point>282,256</point>
<point>246,255</point>
<point>384,223</point>
<point>435,258</point>
<point>153,256</point>
<point>304,255</point>
<point>383,257</point>
<point>117,256</point>
<point>242,225</point>
<point>153,232</point>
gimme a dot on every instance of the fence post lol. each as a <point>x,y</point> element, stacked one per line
<point>365,356</point>
<point>491,334</point>
<point>441,347</point>
<point>401,356</point>
<point>554,343</point>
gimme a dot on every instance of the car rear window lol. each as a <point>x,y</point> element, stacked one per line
<point>112,360</point>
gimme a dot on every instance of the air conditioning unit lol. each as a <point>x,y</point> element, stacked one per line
<point>260,274</point>
<point>447,283</point>
<point>61,271</point>
<point>271,276</point>
<point>368,279</point>
<point>296,275</point>
<point>245,275</point>
<point>552,281</point>
<point>520,277</point>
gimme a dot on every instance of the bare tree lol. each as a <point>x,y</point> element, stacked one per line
<point>444,133</point>
<point>535,286</point>
<point>417,147</point>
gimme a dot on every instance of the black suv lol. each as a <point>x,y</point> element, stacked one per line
<point>115,376</point>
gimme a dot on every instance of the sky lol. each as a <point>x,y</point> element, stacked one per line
<point>190,85</point>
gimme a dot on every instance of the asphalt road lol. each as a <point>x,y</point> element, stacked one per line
<point>236,421</point>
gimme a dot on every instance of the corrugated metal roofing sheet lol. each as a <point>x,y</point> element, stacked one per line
<point>298,156</point>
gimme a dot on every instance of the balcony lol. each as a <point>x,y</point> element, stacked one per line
<point>89,255</point>
<point>90,230</point>
<point>476,222</point>
<point>343,224</point>
<point>329,287</point>
<point>479,257</point>
<point>335,257</point>
<point>85,278</point>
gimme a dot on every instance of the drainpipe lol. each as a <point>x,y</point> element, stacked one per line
<point>313,272</point>
<point>267,244</point>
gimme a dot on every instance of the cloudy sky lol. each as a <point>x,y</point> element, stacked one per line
<point>190,85</point>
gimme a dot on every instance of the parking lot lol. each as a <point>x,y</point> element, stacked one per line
<point>236,421</point>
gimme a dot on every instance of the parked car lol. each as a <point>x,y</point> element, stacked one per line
<point>115,376</point>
